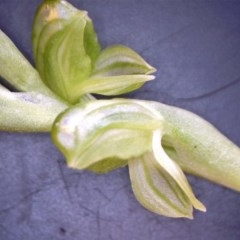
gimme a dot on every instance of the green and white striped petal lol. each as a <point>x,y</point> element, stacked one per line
<point>103,130</point>
<point>156,190</point>
<point>120,60</point>
<point>48,11</point>
<point>118,70</point>
<point>65,47</point>
<point>173,169</point>
<point>113,85</point>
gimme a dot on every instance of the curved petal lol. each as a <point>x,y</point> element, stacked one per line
<point>104,129</point>
<point>118,70</point>
<point>113,85</point>
<point>65,47</point>
<point>156,190</point>
<point>173,170</point>
<point>119,60</point>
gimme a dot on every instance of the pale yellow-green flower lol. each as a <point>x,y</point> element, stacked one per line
<point>103,135</point>
<point>69,59</point>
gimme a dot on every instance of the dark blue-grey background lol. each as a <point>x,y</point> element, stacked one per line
<point>195,47</point>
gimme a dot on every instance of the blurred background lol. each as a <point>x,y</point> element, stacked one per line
<point>195,45</point>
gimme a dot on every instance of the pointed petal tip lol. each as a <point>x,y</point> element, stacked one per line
<point>151,70</point>
<point>150,77</point>
<point>199,206</point>
<point>190,216</point>
<point>72,164</point>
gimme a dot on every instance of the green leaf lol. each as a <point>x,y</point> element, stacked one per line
<point>65,47</point>
<point>100,130</point>
<point>28,112</point>
<point>156,190</point>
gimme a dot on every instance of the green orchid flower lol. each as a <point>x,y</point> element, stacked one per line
<point>69,59</point>
<point>69,65</point>
<point>105,134</point>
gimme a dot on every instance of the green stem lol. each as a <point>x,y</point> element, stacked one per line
<point>27,112</point>
<point>16,69</point>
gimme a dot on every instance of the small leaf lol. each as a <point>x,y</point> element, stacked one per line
<point>104,129</point>
<point>156,190</point>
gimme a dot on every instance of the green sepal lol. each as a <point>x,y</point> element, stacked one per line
<point>113,85</point>
<point>100,130</point>
<point>156,190</point>
<point>47,12</point>
<point>65,47</point>
<point>118,70</point>
<point>119,60</point>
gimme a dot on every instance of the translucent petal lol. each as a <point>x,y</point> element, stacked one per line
<point>156,190</point>
<point>104,129</point>
<point>174,170</point>
<point>118,70</point>
<point>65,47</point>
<point>120,60</point>
<point>113,85</point>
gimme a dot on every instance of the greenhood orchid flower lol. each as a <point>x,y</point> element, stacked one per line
<point>105,134</point>
<point>69,59</point>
